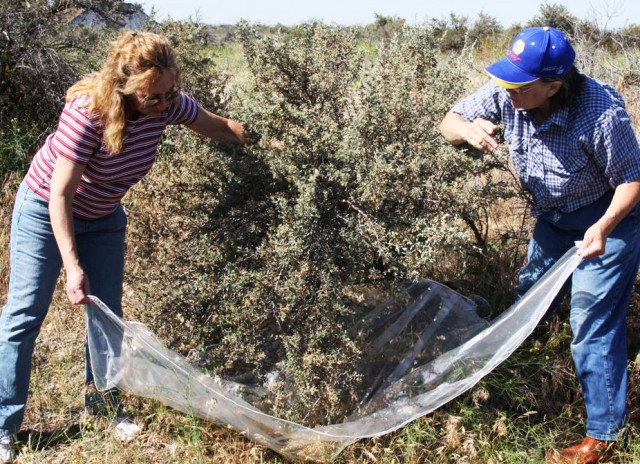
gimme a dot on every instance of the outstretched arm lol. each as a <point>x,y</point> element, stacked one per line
<point>218,128</point>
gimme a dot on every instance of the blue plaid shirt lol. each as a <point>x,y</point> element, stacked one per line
<point>574,157</point>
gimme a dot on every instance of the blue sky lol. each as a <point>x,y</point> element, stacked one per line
<point>607,13</point>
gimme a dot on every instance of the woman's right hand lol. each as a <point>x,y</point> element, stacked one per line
<point>77,287</point>
<point>477,133</point>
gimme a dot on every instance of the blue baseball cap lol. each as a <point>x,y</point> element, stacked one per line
<point>536,52</point>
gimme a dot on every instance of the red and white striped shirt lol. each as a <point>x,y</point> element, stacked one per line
<point>106,178</point>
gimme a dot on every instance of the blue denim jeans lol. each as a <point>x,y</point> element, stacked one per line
<point>600,291</point>
<point>35,265</point>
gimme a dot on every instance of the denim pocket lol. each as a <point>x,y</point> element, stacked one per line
<point>23,196</point>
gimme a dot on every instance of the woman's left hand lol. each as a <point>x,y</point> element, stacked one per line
<point>593,243</point>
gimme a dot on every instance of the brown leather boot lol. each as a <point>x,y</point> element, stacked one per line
<point>589,451</point>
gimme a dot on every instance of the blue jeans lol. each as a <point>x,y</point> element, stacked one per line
<point>35,265</point>
<point>600,291</point>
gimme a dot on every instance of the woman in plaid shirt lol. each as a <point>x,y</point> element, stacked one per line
<point>575,151</point>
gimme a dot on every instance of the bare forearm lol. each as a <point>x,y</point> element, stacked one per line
<point>624,200</point>
<point>452,128</point>
<point>218,128</point>
<point>62,225</point>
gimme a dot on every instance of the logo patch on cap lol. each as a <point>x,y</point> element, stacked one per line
<point>518,47</point>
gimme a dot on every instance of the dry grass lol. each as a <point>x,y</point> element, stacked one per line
<point>7,194</point>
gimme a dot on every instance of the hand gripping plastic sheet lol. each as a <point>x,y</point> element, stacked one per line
<point>426,346</point>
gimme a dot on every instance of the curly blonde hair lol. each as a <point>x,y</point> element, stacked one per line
<point>134,61</point>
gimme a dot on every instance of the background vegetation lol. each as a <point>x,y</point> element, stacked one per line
<point>255,259</point>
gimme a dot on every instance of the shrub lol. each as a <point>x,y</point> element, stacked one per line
<point>382,29</point>
<point>485,27</point>
<point>452,33</point>
<point>555,15</point>
<point>351,186</point>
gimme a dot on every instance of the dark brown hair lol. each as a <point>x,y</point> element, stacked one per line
<point>571,85</point>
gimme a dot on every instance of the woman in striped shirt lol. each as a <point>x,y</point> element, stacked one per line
<point>67,211</point>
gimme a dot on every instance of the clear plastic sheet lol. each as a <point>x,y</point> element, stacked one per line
<point>426,346</point>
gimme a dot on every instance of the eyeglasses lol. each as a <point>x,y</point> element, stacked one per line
<point>153,100</point>
<point>525,88</point>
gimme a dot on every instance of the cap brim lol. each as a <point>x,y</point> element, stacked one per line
<point>509,76</point>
